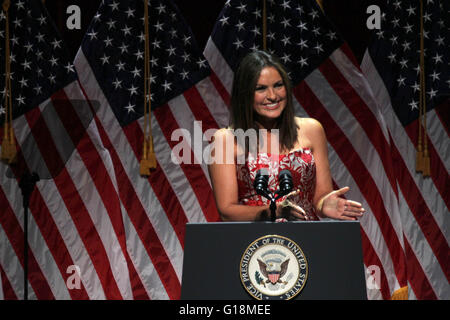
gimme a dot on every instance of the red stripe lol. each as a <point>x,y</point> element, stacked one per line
<point>193,172</point>
<point>443,113</point>
<point>8,291</point>
<point>15,235</point>
<point>74,204</point>
<point>137,286</point>
<point>421,213</point>
<point>438,171</point>
<point>200,109</point>
<point>345,48</point>
<point>420,284</point>
<point>96,168</point>
<point>138,217</point>
<point>220,88</point>
<point>50,232</point>
<point>371,258</point>
<point>357,169</point>
<point>362,114</point>
<point>166,196</point>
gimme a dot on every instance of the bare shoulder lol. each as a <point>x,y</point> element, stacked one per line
<point>309,126</point>
<point>223,133</point>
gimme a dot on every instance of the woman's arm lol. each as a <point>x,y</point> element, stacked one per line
<point>328,203</point>
<point>222,171</point>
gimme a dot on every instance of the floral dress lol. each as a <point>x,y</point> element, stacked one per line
<point>299,162</point>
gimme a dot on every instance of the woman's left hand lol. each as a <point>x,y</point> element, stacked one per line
<point>335,207</point>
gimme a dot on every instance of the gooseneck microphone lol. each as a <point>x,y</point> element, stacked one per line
<point>261,185</point>
<point>286,184</point>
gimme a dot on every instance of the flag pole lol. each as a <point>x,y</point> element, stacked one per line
<point>422,155</point>
<point>264,25</point>
<point>9,151</point>
<point>148,160</point>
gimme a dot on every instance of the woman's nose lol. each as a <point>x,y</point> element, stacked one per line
<point>271,94</point>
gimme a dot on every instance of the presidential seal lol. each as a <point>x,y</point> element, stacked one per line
<point>273,267</point>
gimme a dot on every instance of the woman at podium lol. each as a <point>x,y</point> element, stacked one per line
<point>265,135</point>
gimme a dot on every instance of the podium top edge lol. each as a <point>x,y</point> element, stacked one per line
<point>270,222</point>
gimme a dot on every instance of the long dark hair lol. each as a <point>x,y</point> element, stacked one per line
<point>243,94</point>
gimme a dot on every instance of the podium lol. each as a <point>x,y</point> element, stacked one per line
<point>217,255</point>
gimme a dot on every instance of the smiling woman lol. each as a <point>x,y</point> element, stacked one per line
<point>261,99</point>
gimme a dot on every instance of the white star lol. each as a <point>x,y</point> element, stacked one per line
<point>92,34</point>
<point>139,54</point>
<point>391,57</point>
<point>408,28</point>
<point>40,37</point>
<point>126,30</point>
<point>114,6</point>
<point>318,47</point>
<point>20,99</point>
<point>159,26</point>
<point>303,44</point>
<point>416,87</point>
<point>439,40</point>
<point>105,59</point>
<point>161,8</point>
<point>166,85</point>
<point>331,35</point>
<point>413,105</point>
<point>406,45</point>
<point>168,68</point>
<point>241,8</point>
<point>123,48</point>
<point>432,93</point>
<point>42,20</point>
<point>285,5</point>
<point>69,67</point>
<point>314,14</point>
<point>130,107</point>
<point>286,40</point>
<point>187,40</point>
<point>238,44</point>
<point>133,90</point>
<point>57,43</point>
<point>108,42</point>
<point>51,78</point>
<point>201,63</point>
<point>130,12</point>
<point>303,61</point>
<point>404,63</point>
<point>38,89</point>
<point>117,83</point>
<point>111,24</point>
<point>23,82</point>
<point>184,74</point>
<point>26,65</point>
<point>401,81</point>
<point>171,50</point>
<point>53,61</point>
<point>224,20</point>
<point>240,25</point>
<point>302,26</point>
<point>120,66</point>
<point>286,58</point>
<point>437,58</point>
<point>435,76</point>
<point>186,57</point>
<point>136,72</point>
<point>285,23</point>
<point>411,11</point>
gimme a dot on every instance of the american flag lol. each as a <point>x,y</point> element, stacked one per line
<point>155,209</point>
<point>75,230</point>
<point>392,67</point>
<point>328,86</point>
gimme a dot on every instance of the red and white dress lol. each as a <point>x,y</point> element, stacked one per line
<point>303,169</point>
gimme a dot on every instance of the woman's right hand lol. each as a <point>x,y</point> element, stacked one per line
<point>289,210</point>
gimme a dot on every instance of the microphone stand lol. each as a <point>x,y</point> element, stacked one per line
<point>26,185</point>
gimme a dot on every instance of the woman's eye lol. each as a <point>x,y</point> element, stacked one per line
<point>279,85</point>
<point>260,88</point>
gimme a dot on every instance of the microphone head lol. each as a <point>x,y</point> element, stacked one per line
<point>261,181</point>
<point>286,183</point>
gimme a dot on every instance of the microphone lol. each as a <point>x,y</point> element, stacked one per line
<point>286,183</point>
<point>261,182</point>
